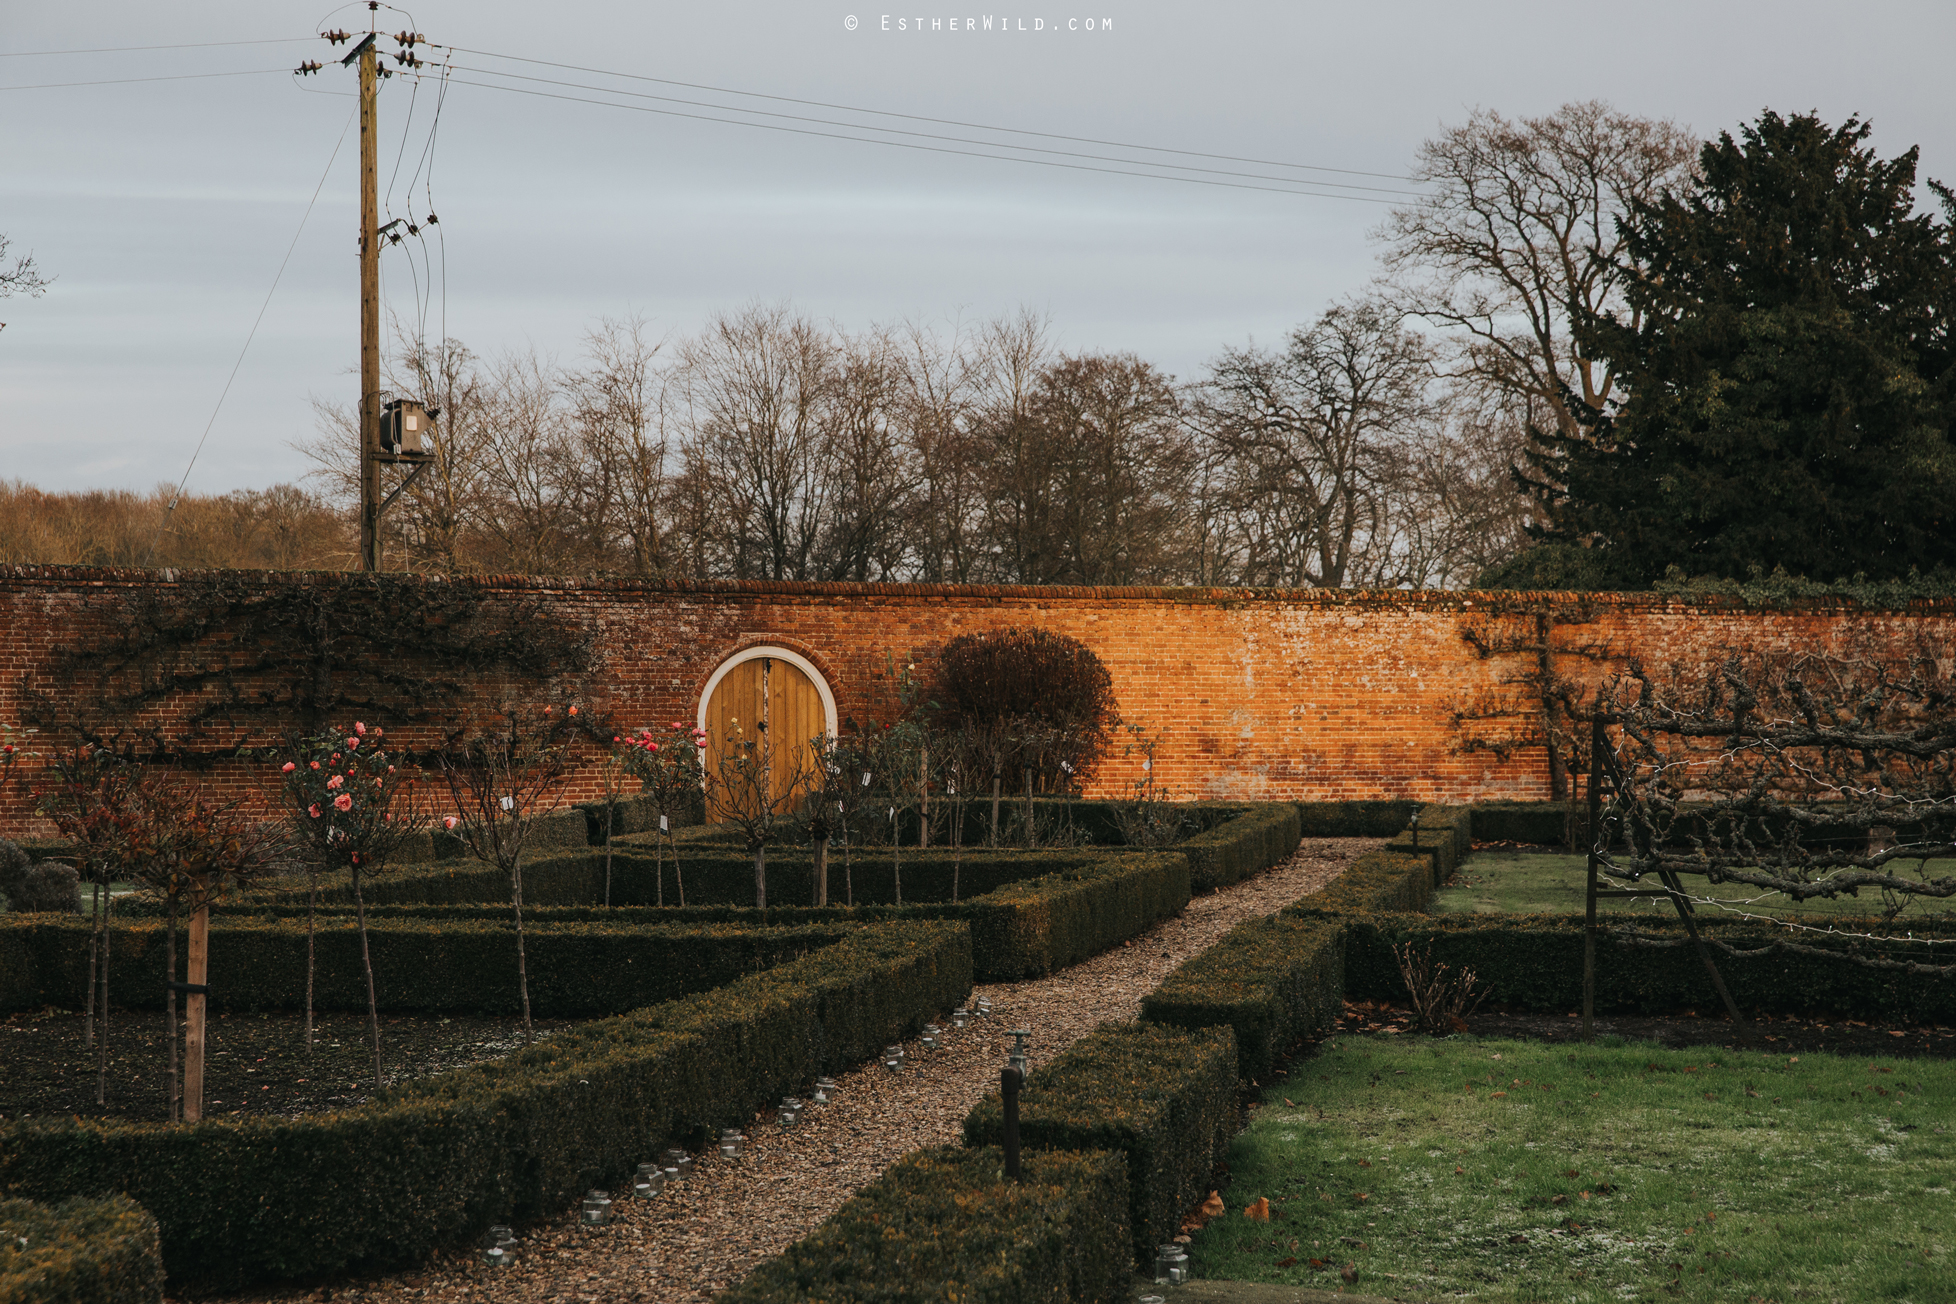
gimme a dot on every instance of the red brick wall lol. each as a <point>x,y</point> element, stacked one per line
<point>1262,694</point>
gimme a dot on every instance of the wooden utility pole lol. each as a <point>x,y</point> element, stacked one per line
<point>369,313</point>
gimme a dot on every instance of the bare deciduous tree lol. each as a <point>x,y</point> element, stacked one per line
<point>1519,221</point>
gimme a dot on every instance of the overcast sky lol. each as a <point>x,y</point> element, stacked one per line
<point>164,208</point>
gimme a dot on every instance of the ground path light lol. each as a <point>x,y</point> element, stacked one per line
<point>1171,1265</point>
<point>929,1040</point>
<point>597,1209</point>
<point>648,1181</point>
<point>497,1247</point>
<point>960,1017</point>
<point>730,1143</point>
<point>678,1163</point>
<point>824,1090</point>
<point>1017,1059</point>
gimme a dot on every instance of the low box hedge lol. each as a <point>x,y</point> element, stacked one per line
<point>247,1199</point>
<point>433,964</point>
<point>1043,910</point>
<point>943,1224</point>
<point>1263,835</point>
<point>1444,836</point>
<point>1535,962</point>
<point>1273,981</point>
<point>1353,819</point>
<point>79,1252</point>
<point>1377,880</point>
<point>1164,1097</point>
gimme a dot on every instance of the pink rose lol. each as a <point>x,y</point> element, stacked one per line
<point>359,728</point>
<point>615,738</point>
<point>449,822</point>
<point>546,710</point>
<point>390,769</point>
<point>315,765</point>
<point>343,802</point>
<point>651,747</point>
<point>313,810</point>
<point>352,743</point>
<point>288,767</point>
<point>334,782</point>
<point>573,710</point>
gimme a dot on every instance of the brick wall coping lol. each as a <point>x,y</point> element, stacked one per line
<point>23,578</point>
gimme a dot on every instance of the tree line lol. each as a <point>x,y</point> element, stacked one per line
<point>1598,353</point>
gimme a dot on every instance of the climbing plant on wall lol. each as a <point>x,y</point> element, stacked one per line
<point>212,662</point>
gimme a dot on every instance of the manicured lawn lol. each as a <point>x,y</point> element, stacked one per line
<point>1492,882</point>
<point>1502,1170</point>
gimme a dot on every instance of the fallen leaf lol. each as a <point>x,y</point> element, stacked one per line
<point>1260,1211</point>
<point>1365,1163</point>
<point>1497,1095</point>
<point>1290,1102</point>
<point>1517,1239</point>
<point>1560,1199</point>
<point>1349,1272</point>
<point>1570,1172</point>
<point>1287,1263</point>
<point>1213,1207</point>
<point>1361,1196</point>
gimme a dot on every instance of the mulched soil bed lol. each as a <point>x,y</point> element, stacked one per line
<point>253,1063</point>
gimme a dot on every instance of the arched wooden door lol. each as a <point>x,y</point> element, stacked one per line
<point>765,704</point>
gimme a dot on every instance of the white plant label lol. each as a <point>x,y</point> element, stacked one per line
<point>507,803</point>
<point>663,826</point>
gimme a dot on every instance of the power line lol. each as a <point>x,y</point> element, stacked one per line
<point>960,140</point>
<point>249,337</point>
<point>126,81</point>
<point>931,149</point>
<point>943,122</point>
<point>130,49</point>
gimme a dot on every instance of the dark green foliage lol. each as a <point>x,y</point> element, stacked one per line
<point>38,887</point>
<point>435,964</point>
<point>1550,566</point>
<point>1263,836</point>
<point>1164,1097</point>
<point>1443,837</point>
<point>1779,589</point>
<point>79,1252</point>
<point>1535,962</point>
<point>1789,372</point>
<point>943,1225</point>
<point>1377,880</point>
<point>1274,980</point>
<point>1353,819</point>
<point>244,658</point>
<point>1030,912</point>
<point>442,1158</point>
<point>1543,823</point>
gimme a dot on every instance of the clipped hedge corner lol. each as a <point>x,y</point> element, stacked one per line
<point>265,1198</point>
<point>1274,981</point>
<point>82,1251</point>
<point>1164,1097</point>
<point>944,1224</point>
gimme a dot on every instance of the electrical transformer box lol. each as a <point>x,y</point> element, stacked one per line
<point>407,429</point>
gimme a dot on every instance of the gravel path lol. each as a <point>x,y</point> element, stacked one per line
<point>705,1234</point>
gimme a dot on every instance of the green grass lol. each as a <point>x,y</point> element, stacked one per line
<point>1510,1171</point>
<point>1540,883</point>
